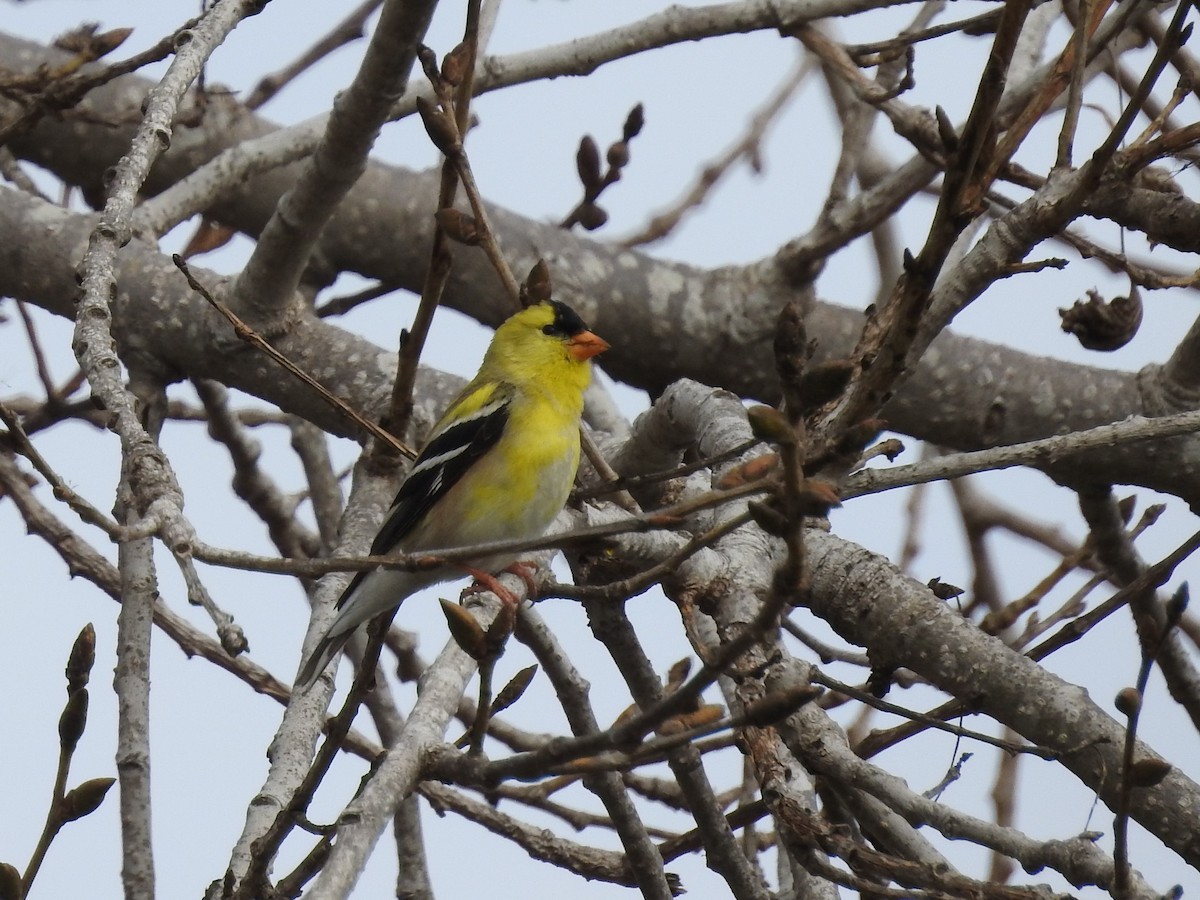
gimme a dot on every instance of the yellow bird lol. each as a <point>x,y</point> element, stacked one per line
<point>497,466</point>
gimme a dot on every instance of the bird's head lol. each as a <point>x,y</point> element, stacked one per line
<point>548,337</point>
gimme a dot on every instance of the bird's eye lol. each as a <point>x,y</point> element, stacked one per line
<point>548,329</point>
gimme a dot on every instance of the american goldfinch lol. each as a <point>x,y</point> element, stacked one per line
<point>498,465</point>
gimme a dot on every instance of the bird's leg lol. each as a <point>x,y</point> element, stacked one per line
<point>497,634</point>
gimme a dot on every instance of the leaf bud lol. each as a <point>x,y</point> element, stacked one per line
<point>439,127</point>
<point>587,163</point>
<point>85,799</point>
<point>1128,701</point>
<point>459,226</point>
<point>81,660</point>
<point>466,632</point>
<point>512,692</point>
<point>73,720</point>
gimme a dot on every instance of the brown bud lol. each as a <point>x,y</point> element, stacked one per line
<point>440,127</point>
<point>511,692</point>
<point>85,799</point>
<point>501,628</point>
<point>1148,772</point>
<point>1126,507</point>
<point>591,216</point>
<point>455,63</point>
<point>429,63</point>
<point>750,470</point>
<point>89,43</point>
<point>633,123</point>
<point>946,130</point>
<point>73,720</point>
<point>10,882</point>
<point>466,632</point>
<point>81,660</point>
<point>587,164</point>
<point>1128,701</point>
<point>537,287</point>
<point>770,425</point>
<point>108,41</point>
<point>459,226</point>
<point>618,155</point>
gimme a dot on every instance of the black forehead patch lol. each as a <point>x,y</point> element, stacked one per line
<point>566,321</point>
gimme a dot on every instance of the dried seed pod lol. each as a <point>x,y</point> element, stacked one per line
<point>1104,325</point>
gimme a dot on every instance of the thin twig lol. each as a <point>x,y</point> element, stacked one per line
<point>252,337</point>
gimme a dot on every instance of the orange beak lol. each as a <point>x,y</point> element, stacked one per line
<point>585,345</point>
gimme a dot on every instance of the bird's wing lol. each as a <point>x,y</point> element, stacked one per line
<point>470,428</point>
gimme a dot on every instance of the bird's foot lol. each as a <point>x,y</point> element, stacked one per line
<point>486,582</point>
<point>526,571</point>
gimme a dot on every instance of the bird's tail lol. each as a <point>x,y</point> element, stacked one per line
<point>327,648</point>
<point>367,595</point>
